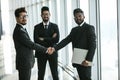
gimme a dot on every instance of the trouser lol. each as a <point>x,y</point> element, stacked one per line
<point>24,74</point>
<point>53,62</point>
<point>84,72</point>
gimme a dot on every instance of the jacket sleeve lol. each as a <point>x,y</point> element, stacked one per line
<point>53,39</point>
<point>36,36</point>
<point>64,42</point>
<point>24,39</point>
<point>91,43</point>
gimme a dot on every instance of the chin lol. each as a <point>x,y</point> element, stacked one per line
<point>24,23</point>
<point>45,20</point>
<point>79,23</point>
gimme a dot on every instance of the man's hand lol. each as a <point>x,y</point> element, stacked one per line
<point>54,35</point>
<point>50,50</point>
<point>86,63</point>
<point>42,39</point>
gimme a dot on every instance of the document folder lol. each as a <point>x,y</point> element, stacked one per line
<point>79,56</point>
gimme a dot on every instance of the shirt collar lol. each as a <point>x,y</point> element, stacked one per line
<point>45,23</point>
<point>22,25</point>
<point>82,23</point>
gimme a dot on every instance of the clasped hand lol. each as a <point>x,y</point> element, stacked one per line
<point>50,50</point>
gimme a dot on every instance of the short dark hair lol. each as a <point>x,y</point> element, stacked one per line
<point>19,10</point>
<point>77,10</point>
<point>44,8</point>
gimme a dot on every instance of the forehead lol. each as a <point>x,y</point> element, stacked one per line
<point>79,13</point>
<point>22,13</point>
<point>44,12</point>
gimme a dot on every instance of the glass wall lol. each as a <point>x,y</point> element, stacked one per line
<point>109,50</point>
<point>102,15</point>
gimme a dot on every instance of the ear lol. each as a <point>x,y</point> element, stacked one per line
<point>84,17</point>
<point>16,18</point>
<point>74,18</point>
<point>49,14</point>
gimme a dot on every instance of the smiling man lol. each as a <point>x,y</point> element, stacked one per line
<point>24,46</point>
<point>83,39</point>
<point>46,34</point>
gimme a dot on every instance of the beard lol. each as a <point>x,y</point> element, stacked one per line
<point>46,19</point>
<point>23,23</point>
<point>78,22</point>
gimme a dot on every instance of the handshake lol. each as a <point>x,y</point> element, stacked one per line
<point>50,50</point>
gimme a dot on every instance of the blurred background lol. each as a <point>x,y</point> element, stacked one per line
<point>103,14</point>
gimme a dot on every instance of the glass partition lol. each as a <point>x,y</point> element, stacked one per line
<point>109,50</point>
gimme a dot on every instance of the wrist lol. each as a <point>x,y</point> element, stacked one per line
<point>87,61</point>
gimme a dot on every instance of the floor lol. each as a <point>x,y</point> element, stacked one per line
<point>8,72</point>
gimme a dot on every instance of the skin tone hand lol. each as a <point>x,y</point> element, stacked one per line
<point>42,39</point>
<point>53,49</point>
<point>50,50</point>
<point>85,63</point>
<point>54,35</point>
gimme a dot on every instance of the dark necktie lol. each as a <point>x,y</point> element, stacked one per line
<point>46,30</point>
<point>45,26</point>
<point>25,29</point>
<point>26,32</point>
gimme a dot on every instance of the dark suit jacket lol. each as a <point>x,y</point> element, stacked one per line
<point>81,37</point>
<point>39,31</point>
<point>24,48</point>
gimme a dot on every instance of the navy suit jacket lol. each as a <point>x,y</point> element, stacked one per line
<point>81,37</point>
<point>24,48</point>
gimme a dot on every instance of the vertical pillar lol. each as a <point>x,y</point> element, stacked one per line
<point>118,32</point>
<point>94,16</point>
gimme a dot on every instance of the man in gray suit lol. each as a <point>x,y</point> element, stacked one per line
<point>24,46</point>
<point>82,37</point>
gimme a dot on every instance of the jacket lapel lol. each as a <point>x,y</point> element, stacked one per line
<point>23,30</point>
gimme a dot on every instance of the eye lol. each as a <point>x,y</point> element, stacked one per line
<point>23,17</point>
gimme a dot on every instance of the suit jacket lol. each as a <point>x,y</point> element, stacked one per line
<point>81,37</point>
<point>24,48</point>
<point>39,31</point>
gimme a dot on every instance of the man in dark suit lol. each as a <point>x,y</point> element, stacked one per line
<point>24,46</point>
<point>46,34</point>
<point>83,37</point>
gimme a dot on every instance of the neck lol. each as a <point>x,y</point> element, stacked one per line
<point>46,23</point>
